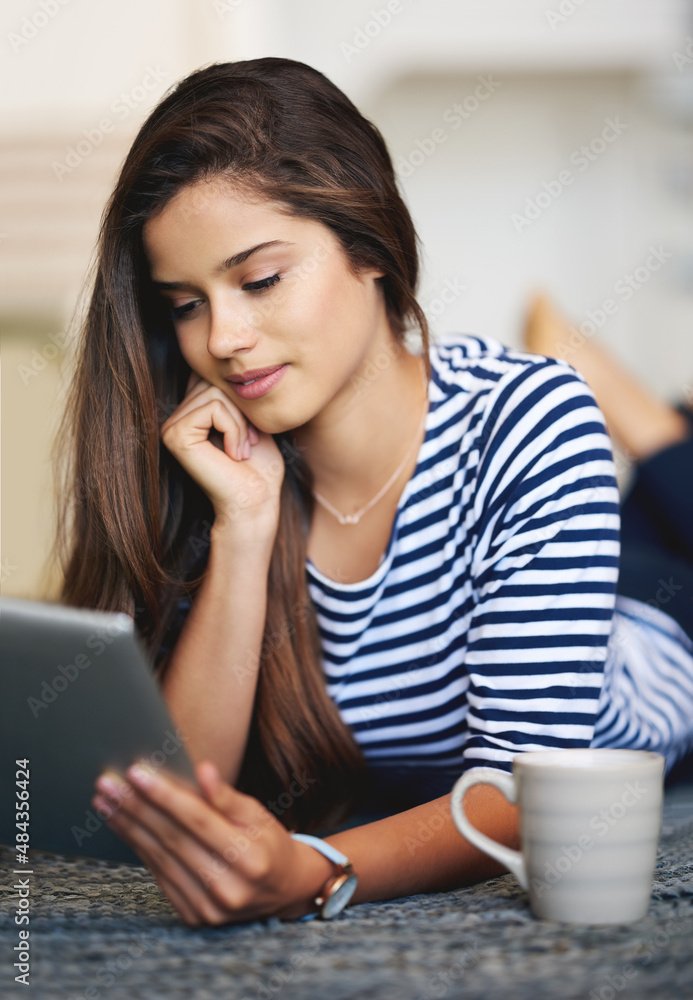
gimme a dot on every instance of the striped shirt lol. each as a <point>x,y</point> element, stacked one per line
<point>492,624</point>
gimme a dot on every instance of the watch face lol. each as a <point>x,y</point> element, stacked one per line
<point>340,897</point>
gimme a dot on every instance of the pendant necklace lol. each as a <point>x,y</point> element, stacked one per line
<point>355,518</point>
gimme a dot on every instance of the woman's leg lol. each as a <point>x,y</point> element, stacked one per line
<point>657,513</point>
<point>642,424</point>
<point>659,505</point>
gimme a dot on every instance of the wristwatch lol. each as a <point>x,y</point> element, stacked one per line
<point>338,890</point>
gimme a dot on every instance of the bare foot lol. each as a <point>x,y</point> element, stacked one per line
<point>548,333</point>
<point>636,419</point>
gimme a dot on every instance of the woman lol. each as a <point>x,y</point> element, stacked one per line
<point>358,570</point>
<point>655,441</point>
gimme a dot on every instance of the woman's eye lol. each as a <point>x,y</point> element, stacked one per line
<point>184,311</point>
<point>260,286</point>
<point>187,310</point>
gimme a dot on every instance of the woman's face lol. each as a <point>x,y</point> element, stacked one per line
<point>251,287</point>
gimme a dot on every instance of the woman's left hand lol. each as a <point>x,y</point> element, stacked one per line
<point>220,859</point>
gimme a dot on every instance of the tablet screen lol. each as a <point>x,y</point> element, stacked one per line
<point>77,696</point>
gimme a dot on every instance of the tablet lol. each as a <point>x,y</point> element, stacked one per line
<point>77,696</point>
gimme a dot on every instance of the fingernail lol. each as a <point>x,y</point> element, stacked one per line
<point>239,452</point>
<point>107,785</point>
<point>253,435</point>
<point>140,775</point>
<point>102,805</point>
<point>246,448</point>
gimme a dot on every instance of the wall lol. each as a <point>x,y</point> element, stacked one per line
<point>536,81</point>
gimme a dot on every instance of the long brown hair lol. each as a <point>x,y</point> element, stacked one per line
<point>132,529</point>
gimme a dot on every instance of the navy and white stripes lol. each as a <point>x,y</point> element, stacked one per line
<point>649,701</point>
<point>486,628</point>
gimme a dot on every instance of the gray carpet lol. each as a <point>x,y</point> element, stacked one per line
<point>104,930</point>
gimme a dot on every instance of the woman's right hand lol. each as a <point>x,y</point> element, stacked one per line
<point>243,491</point>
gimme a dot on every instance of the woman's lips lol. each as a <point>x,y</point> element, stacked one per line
<point>259,387</point>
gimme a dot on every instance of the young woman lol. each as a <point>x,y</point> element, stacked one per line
<point>656,441</point>
<point>358,570</point>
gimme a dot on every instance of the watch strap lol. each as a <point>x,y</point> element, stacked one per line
<point>329,852</point>
<point>321,845</point>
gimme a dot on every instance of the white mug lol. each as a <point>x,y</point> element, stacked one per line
<point>589,826</point>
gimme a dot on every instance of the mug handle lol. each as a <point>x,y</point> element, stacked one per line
<point>506,784</point>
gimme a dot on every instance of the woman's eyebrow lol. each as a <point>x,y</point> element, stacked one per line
<point>226,265</point>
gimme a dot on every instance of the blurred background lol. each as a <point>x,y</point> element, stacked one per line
<point>541,145</point>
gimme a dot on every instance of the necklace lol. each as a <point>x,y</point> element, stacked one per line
<point>355,518</point>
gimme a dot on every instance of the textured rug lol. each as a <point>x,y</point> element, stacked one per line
<point>104,930</point>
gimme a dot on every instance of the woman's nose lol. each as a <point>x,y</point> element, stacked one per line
<point>229,333</point>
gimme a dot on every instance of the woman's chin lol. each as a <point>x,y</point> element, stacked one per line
<point>277,429</point>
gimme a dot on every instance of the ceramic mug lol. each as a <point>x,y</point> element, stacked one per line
<point>589,826</point>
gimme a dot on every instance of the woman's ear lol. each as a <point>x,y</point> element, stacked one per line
<point>375,272</point>
<point>364,273</point>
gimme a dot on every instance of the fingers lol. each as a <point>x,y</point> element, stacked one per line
<point>200,392</point>
<point>195,381</point>
<point>208,778</point>
<point>183,890</point>
<point>197,881</point>
<point>215,864</point>
<point>224,834</point>
<point>242,810</point>
<point>234,804</point>
<point>191,423</point>
<point>175,896</point>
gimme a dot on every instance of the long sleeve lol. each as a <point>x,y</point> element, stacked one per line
<point>545,567</point>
